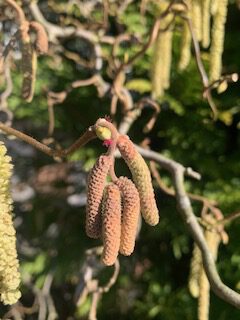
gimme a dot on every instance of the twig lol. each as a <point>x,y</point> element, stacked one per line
<point>84,139</point>
<point>204,77</point>
<point>229,218</point>
<point>93,309</point>
<point>18,10</point>
<point>9,85</point>
<point>24,137</point>
<point>168,164</point>
<point>185,208</point>
<point>170,191</point>
<point>131,115</point>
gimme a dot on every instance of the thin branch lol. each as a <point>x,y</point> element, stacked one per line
<point>185,208</point>
<point>168,164</point>
<point>229,218</point>
<point>84,139</point>
<point>170,191</point>
<point>202,71</point>
<point>24,137</point>
<point>96,296</point>
<point>20,14</point>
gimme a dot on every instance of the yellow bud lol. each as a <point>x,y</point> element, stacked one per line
<point>103,133</point>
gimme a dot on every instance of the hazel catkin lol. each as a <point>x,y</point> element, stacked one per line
<point>95,187</point>
<point>217,45</point>
<point>29,67</point>
<point>162,56</point>
<point>141,177</point>
<point>9,264</point>
<point>111,224</point>
<point>185,52</point>
<point>130,214</point>
<point>195,269</point>
<point>213,240</point>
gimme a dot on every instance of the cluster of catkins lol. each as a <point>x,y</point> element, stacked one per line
<point>33,41</point>
<point>113,209</point>
<point>9,264</point>
<point>208,18</point>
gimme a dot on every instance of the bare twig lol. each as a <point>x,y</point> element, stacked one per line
<point>96,296</point>
<point>84,139</point>
<point>228,219</point>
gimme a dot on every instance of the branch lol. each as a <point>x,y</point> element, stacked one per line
<point>185,208</point>
<point>202,71</point>
<point>168,164</point>
<point>84,139</point>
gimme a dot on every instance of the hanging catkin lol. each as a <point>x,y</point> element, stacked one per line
<point>162,54</point>
<point>157,68</point>
<point>213,241</point>
<point>130,214</point>
<point>95,187</point>
<point>29,67</point>
<point>111,224</point>
<point>141,177</point>
<point>206,23</point>
<point>195,268</point>
<point>218,31</point>
<point>185,51</point>
<point>214,6</point>
<point>167,58</point>
<point>196,15</point>
<point>9,264</point>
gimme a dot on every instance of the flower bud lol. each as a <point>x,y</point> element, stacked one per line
<point>103,133</point>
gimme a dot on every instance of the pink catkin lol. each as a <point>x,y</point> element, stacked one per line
<point>95,187</point>
<point>141,177</point>
<point>111,224</point>
<point>130,214</point>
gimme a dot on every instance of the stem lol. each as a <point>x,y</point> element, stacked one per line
<point>84,139</point>
<point>24,137</point>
